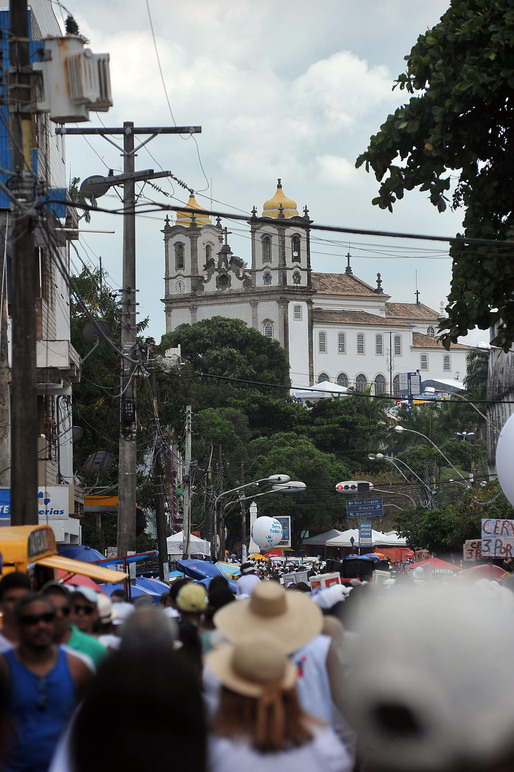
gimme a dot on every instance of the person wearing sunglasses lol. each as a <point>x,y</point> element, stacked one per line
<point>44,684</point>
<point>68,634</point>
<point>12,586</point>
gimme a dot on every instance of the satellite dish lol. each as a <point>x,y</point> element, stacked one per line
<point>93,331</point>
<point>97,462</point>
<point>77,433</point>
<point>95,186</point>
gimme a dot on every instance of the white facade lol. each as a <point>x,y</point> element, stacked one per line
<point>332,326</point>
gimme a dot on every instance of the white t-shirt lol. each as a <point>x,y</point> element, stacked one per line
<point>324,753</point>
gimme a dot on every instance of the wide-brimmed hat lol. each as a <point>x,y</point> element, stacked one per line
<point>292,617</point>
<point>252,665</point>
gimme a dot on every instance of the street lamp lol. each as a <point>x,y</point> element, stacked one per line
<point>273,479</point>
<point>395,461</point>
<point>400,429</point>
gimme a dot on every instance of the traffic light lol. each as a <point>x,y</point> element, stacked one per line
<point>354,486</point>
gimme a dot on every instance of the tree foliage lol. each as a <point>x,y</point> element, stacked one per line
<point>456,131</point>
<point>446,529</point>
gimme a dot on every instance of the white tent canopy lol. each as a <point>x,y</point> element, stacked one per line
<point>321,390</point>
<point>379,539</point>
<point>321,539</point>
<point>197,546</point>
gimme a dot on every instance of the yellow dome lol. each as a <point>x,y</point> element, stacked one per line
<point>185,218</point>
<point>272,207</point>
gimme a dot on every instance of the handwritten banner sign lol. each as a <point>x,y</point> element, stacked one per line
<point>497,538</point>
<point>472,549</point>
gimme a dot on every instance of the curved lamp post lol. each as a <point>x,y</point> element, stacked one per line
<point>400,429</point>
<point>293,486</point>
<point>219,510</point>
<point>395,462</point>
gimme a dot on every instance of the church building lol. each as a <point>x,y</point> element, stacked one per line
<point>333,326</point>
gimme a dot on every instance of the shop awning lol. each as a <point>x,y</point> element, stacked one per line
<point>84,569</point>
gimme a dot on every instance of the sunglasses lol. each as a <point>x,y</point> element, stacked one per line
<point>85,609</point>
<point>30,620</point>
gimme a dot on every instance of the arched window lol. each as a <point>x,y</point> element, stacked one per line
<point>295,248</point>
<point>361,382</point>
<point>380,384</point>
<point>323,377</point>
<point>360,343</point>
<point>179,256</point>
<point>430,330</point>
<point>322,342</point>
<point>208,251</point>
<point>379,344</point>
<point>447,365</point>
<point>267,329</point>
<point>266,249</point>
<point>396,385</point>
<point>342,379</point>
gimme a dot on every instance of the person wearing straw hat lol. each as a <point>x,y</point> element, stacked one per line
<point>296,622</point>
<point>259,724</point>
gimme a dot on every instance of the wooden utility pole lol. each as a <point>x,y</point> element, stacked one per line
<point>24,277</point>
<point>129,348</point>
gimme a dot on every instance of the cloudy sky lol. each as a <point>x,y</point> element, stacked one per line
<point>291,90</point>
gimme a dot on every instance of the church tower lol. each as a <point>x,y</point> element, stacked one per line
<point>274,294</point>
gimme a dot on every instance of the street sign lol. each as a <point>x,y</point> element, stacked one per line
<point>364,508</point>
<point>365,534</point>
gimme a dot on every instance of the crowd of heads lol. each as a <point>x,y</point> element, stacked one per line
<point>418,672</point>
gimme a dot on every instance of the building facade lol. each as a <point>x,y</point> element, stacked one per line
<point>333,326</point>
<point>60,499</point>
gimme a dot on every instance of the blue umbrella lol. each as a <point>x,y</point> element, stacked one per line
<point>80,552</point>
<point>199,569</point>
<point>370,556</point>
<point>135,591</point>
<point>232,583</point>
<point>154,585</point>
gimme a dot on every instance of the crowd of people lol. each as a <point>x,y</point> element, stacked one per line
<point>413,675</point>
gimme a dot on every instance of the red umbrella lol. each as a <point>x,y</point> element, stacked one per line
<point>82,581</point>
<point>484,571</point>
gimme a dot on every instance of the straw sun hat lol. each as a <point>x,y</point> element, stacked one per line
<point>252,666</point>
<point>291,617</point>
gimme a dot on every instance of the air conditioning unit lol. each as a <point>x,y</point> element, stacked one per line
<point>75,80</point>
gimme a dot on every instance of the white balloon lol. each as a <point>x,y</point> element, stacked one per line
<point>266,532</point>
<point>505,459</point>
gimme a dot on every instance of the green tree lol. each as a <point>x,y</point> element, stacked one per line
<point>319,506</point>
<point>446,529</point>
<point>227,348</point>
<point>457,130</point>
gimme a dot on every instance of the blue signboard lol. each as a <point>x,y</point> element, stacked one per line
<point>364,508</point>
<point>5,506</point>
<point>365,534</point>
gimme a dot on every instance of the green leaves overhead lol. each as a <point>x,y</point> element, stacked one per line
<point>456,131</point>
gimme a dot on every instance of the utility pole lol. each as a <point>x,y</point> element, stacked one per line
<point>129,350</point>
<point>187,484</point>
<point>158,476</point>
<point>24,367</point>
